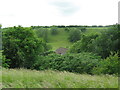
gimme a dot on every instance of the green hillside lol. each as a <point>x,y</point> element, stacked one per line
<point>59,40</point>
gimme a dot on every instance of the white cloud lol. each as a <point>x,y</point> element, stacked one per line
<point>58,12</point>
<point>66,8</point>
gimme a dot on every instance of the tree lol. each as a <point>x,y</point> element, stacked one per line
<point>22,47</point>
<point>74,35</point>
<point>84,45</point>
<point>107,42</point>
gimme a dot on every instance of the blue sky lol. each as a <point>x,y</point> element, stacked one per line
<point>58,12</point>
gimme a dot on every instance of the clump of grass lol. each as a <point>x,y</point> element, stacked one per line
<point>23,78</point>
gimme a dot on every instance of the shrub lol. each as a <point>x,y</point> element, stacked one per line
<point>110,65</point>
<point>80,63</point>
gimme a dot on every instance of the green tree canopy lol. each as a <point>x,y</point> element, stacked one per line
<point>22,47</point>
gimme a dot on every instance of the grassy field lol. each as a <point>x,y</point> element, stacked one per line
<point>59,40</point>
<point>23,78</point>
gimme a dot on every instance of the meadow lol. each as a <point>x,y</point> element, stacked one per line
<point>23,78</point>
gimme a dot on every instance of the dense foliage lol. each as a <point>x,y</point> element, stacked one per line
<point>80,63</point>
<point>22,47</point>
<point>101,44</point>
<point>110,65</point>
<point>84,45</point>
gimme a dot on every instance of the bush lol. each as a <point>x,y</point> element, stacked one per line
<point>110,65</point>
<point>80,63</point>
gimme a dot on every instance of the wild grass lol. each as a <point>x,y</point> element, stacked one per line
<point>23,78</point>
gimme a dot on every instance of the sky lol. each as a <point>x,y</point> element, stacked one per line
<point>58,12</point>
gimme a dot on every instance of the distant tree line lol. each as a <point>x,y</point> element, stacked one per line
<point>69,26</point>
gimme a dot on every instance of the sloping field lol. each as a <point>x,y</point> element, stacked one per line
<point>59,40</point>
<point>23,78</point>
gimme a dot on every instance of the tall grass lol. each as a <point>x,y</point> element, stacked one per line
<point>23,78</point>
